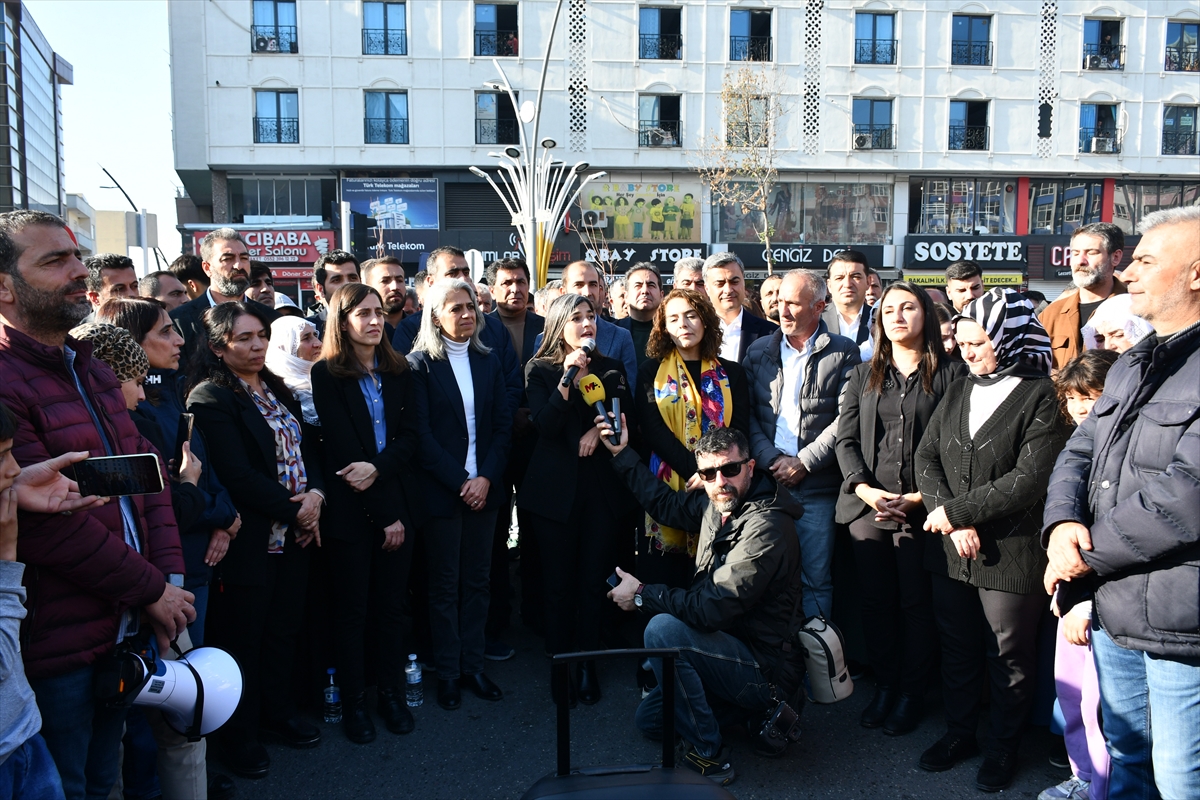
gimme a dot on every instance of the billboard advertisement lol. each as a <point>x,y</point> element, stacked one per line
<point>392,216</point>
<point>645,211</point>
<point>304,247</point>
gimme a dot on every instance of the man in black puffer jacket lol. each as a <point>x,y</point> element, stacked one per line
<point>736,625</point>
<point>1124,504</point>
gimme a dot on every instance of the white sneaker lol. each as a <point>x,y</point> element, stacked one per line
<point>1072,789</point>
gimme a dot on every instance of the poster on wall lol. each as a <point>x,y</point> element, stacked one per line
<point>644,211</point>
<point>392,216</point>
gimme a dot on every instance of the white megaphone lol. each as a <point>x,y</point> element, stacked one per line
<point>197,694</point>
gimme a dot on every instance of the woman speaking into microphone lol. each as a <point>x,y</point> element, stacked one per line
<point>573,496</point>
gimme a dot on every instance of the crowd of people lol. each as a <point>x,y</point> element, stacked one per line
<point>692,467</point>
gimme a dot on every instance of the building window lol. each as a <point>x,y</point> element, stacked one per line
<point>496,30</point>
<point>658,120</point>
<point>1134,200</point>
<point>385,29</point>
<point>386,120</point>
<point>660,33</point>
<point>274,28</point>
<point>1059,207</point>
<point>495,119</point>
<point>280,200</point>
<point>749,35</point>
<point>874,38</point>
<point>826,213</point>
<point>746,123</point>
<point>1181,55</point>
<point>1098,128</point>
<point>968,124</point>
<point>1102,48</point>
<point>276,117</point>
<point>971,41</point>
<point>873,128</point>
<point>964,206</point>
<point>1179,131</point>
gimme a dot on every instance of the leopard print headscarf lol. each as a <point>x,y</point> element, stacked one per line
<point>116,348</point>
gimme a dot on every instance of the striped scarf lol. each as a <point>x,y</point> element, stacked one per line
<point>1021,343</point>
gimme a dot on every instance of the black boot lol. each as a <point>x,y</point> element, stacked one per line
<point>394,710</point>
<point>878,709</point>
<point>589,683</point>
<point>356,722</point>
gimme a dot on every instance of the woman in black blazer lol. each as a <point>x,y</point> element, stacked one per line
<point>464,428</point>
<point>574,498</point>
<point>886,407</point>
<point>362,392</point>
<point>269,460</point>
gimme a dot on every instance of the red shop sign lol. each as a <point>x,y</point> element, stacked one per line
<point>282,246</point>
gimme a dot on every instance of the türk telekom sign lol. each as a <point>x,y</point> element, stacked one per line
<point>282,246</point>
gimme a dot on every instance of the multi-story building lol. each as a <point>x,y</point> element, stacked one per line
<point>919,131</point>
<point>80,217</point>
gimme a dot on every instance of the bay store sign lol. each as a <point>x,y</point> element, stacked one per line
<point>622,255</point>
<point>939,252</point>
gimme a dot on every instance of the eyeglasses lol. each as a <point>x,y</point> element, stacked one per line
<point>730,470</point>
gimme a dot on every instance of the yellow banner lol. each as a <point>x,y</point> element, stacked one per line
<point>938,279</point>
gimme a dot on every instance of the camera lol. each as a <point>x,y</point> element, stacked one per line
<point>781,725</point>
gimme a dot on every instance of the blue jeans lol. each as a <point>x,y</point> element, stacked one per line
<point>84,736</point>
<point>714,665</point>
<point>815,531</point>
<point>1151,711</point>
<point>29,773</point>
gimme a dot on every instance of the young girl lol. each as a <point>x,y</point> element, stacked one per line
<point>1079,385</point>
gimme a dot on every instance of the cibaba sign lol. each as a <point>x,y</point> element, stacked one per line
<point>282,246</point>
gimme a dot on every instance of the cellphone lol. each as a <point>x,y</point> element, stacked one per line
<point>613,580</point>
<point>616,426</point>
<point>119,476</point>
<point>183,434</point>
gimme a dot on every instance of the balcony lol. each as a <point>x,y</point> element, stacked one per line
<point>1182,59</point>
<point>276,130</point>
<point>496,43</point>
<point>874,137</point>
<point>971,54</point>
<point>383,42</point>
<point>658,133</point>
<point>874,51</point>
<point>496,131</point>
<point>969,137</point>
<point>667,47</point>
<point>273,38</point>
<point>1179,143</point>
<point>1104,56</point>
<point>749,48</point>
<point>1100,141</point>
<point>385,131</point>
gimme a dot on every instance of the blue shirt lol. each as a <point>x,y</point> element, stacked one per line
<point>372,390</point>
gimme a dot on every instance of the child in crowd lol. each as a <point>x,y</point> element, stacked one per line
<point>1080,383</point>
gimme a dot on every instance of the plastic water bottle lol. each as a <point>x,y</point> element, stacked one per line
<point>333,700</point>
<point>414,692</point>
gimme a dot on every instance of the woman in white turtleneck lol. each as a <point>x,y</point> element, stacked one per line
<point>465,427</point>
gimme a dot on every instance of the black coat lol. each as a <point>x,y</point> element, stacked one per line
<point>834,321</point>
<point>753,328</point>
<point>241,448</point>
<point>347,435</point>
<point>189,321</point>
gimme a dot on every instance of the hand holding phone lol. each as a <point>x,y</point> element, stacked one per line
<point>119,476</point>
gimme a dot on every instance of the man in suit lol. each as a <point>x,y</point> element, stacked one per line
<point>332,271</point>
<point>725,281</point>
<point>643,285</point>
<point>226,261</point>
<point>849,314</point>
<point>581,277</point>
<point>386,276</point>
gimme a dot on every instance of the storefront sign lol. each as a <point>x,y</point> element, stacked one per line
<point>290,274</point>
<point>934,252</point>
<point>1050,256</point>
<point>646,211</point>
<point>621,255</point>
<point>392,216</point>
<point>303,247</point>
<point>494,245</point>
<point>807,256</point>
<point>937,279</point>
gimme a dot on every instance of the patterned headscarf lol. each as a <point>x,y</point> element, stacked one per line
<point>1116,312</point>
<point>116,348</point>
<point>283,361</point>
<point>1021,343</point>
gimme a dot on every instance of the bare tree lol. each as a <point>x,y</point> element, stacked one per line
<point>739,165</point>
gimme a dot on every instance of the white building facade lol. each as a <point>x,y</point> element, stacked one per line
<point>919,131</point>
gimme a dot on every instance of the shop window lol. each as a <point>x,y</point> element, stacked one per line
<point>826,213</point>
<point>1059,207</point>
<point>1135,199</point>
<point>280,199</point>
<point>965,206</point>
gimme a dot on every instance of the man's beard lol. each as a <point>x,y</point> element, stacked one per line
<point>1087,279</point>
<point>396,307</point>
<point>49,312</point>
<point>230,286</point>
<point>728,504</point>
<point>773,314</point>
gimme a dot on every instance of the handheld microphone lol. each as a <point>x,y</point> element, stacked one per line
<point>587,346</point>
<point>594,394</point>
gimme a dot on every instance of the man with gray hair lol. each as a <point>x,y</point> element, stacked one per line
<point>689,274</point>
<point>725,280</point>
<point>1096,250</point>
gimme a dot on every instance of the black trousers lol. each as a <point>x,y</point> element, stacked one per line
<point>987,628</point>
<point>896,600</point>
<point>500,582</point>
<point>363,576</point>
<point>258,626</point>
<point>459,554</point>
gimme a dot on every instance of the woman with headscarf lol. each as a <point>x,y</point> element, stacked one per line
<point>295,347</point>
<point>1113,326</point>
<point>983,466</point>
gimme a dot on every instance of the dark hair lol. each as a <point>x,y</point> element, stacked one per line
<point>554,347</point>
<point>218,325</point>
<point>644,266</point>
<point>371,263</point>
<point>1113,236</point>
<point>872,271</point>
<point>510,264</point>
<point>138,315</point>
<point>932,351</point>
<point>332,258</point>
<point>1034,296</point>
<point>850,257</point>
<point>187,267</point>
<point>420,277</point>
<point>1084,374</point>
<point>444,250</point>
<point>260,270</point>
<point>8,424</point>
<point>660,343</point>
<point>944,314</point>
<point>722,440</point>
<point>101,261</point>
<point>13,222</point>
<point>336,348</point>
<point>149,285</point>
<point>963,271</point>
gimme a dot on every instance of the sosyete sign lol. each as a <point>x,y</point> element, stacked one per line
<point>933,252</point>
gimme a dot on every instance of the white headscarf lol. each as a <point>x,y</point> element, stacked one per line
<point>1115,311</point>
<point>283,361</point>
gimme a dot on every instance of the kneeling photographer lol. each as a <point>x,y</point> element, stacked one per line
<point>736,625</point>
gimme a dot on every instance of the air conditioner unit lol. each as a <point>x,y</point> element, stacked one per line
<point>1095,62</point>
<point>1104,144</point>
<point>594,219</point>
<point>863,141</point>
<point>260,44</point>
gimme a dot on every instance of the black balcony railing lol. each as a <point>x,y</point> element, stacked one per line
<point>667,46</point>
<point>276,130</point>
<point>971,54</point>
<point>496,131</point>
<point>496,43</point>
<point>969,137</point>
<point>749,48</point>
<point>385,131</point>
<point>1102,141</point>
<point>1177,143</point>
<point>1104,56</point>
<point>658,133</point>
<point>1182,59</point>
<point>874,137</point>
<point>874,51</point>
<point>273,38</point>
<point>384,42</point>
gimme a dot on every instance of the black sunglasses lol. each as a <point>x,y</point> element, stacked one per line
<point>730,470</point>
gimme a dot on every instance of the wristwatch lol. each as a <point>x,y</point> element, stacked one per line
<point>637,596</point>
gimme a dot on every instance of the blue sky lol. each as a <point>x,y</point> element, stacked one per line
<point>118,113</point>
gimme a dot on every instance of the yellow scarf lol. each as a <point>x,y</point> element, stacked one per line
<point>689,411</point>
